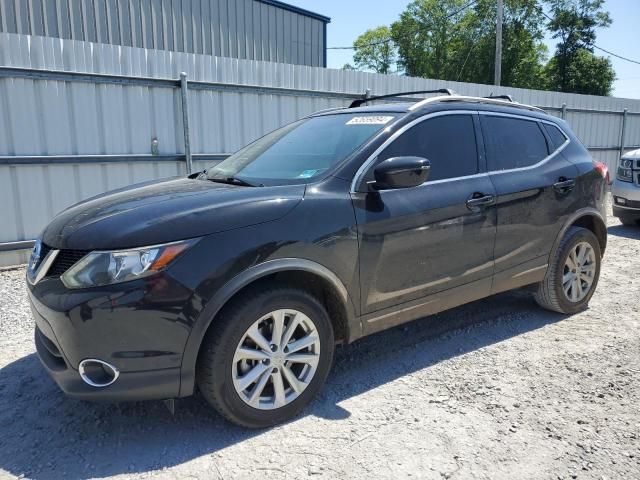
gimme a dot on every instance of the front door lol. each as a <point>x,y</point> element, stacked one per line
<point>419,241</point>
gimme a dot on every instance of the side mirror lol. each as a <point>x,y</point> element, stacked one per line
<point>401,172</point>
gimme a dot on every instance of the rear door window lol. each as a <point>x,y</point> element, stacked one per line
<point>447,141</point>
<point>512,142</point>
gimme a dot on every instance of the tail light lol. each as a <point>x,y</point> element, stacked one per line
<point>603,170</point>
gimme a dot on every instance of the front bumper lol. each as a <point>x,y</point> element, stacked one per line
<point>140,328</point>
<point>630,193</point>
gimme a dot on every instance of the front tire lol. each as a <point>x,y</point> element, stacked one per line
<point>573,273</point>
<point>266,356</point>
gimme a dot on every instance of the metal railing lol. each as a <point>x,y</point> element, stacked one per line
<point>185,85</point>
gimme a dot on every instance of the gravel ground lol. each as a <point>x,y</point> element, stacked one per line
<point>495,389</point>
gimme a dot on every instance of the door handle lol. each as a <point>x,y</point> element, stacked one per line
<point>564,185</point>
<point>480,200</point>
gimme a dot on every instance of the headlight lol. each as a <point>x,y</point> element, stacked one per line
<point>624,170</point>
<point>105,268</point>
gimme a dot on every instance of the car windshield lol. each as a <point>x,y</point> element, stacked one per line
<point>300,151</point>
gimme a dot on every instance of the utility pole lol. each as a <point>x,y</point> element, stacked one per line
<point>497,75</point>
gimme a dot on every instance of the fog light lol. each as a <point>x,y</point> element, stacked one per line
<point>621,201</point>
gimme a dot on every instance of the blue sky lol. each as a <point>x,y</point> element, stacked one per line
<point>349,18</point>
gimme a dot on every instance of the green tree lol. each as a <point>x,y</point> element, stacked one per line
<point>427,34</point>
<point>375,50</point>
<point>443,39</point>
<point>574,67</point>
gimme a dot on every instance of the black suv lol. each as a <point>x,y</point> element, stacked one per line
<point>241,279</point>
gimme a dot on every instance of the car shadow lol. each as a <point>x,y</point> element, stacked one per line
<point>624,231</point>
<point>101,439</point>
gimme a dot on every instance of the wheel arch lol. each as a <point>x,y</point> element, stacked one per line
<point>588,218</point>
<point>317,277</point>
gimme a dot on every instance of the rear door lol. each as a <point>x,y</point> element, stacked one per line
<point>418,241</point>
<point>535,188</point>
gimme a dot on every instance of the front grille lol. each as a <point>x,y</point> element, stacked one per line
<point>64,261</point>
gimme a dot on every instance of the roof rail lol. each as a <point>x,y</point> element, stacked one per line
<point>485,100</point>
<point>501,97</point>
<point>365,98</point>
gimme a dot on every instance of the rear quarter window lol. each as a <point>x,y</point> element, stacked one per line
<point>555,135</point>
<point>512,142</point>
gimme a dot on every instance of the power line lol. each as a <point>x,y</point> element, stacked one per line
<point>616,55</point>
<point>373,44</point>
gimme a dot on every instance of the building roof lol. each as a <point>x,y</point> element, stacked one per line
<point>301,11</point>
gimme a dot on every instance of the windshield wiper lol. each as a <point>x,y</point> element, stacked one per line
<point>234,181</point>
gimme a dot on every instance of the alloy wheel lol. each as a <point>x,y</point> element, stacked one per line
<point>276,359</point>
<point>579,272</point>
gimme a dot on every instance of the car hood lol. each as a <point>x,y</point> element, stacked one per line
<point>167,210</point>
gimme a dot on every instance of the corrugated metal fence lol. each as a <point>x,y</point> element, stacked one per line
<point>251,29</point>
<point>78,119</point>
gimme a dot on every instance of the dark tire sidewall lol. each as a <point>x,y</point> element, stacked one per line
<point>234,328</point>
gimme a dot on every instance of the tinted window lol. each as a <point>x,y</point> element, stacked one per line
<point>448,142</point>
<point>557,137</point>
<point>512,143</point>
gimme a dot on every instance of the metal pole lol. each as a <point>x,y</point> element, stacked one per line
<point>497,75</point>
<point>184,87</point>
<point>564,111</point>
<point>623,130</point>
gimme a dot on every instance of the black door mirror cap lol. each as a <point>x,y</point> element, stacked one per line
<point>401,172</point>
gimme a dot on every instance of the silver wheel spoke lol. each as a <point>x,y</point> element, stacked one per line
<point>308,358</point>
<point>255,335</point>
<point>254,399</point>
<point>293,324</point>
<point>581,252</point>
<point>278,389</point>
<point>566,278</point>
<point>278,327</point>
<point>575,289</point>
<point>250,354</point>
<point>252,376</point>
<point>297,386</point>
<point>304,342</point>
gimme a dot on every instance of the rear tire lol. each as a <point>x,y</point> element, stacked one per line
<point>568,286</point>
<point>229,356</point>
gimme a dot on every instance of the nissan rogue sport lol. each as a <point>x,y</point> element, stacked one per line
<point>240,280</point>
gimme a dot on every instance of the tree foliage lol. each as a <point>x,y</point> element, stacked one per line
<point>452,40</point>
<point>574,67</point>
<point>375,50</point>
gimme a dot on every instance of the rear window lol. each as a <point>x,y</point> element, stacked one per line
<point>557,137</point>
<point>513,142</point>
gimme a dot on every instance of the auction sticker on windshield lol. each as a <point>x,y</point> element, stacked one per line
<point>369,120</point>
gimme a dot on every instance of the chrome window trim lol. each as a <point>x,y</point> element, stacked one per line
<point>367,163</point>
<point>357,178</point>
<point>530,119</point>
